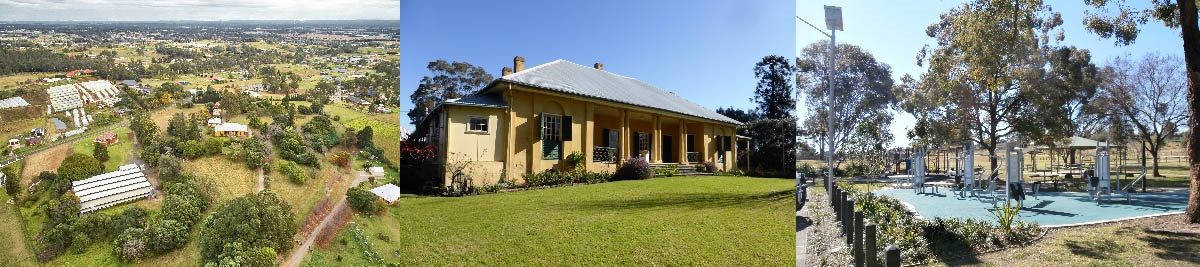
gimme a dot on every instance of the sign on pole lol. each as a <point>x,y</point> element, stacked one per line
<point>833,18</point>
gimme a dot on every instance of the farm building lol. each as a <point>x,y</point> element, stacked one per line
<point>356,100</point>
<point>59,125</point>
<point>107,139</point>
<point>33,141</point>
<point>37,132</point>
<point>388,192</point>
<point>13,102</point>
<point>14,143</point>
<point>528,120</point>
<point>126,184</point>
<point>231,130</point>
<point>214,121</point>
<point>64,97</point>
<point>102,91</point>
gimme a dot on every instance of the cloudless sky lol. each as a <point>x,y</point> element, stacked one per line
<point>894,31</point>
<point>704,51</point>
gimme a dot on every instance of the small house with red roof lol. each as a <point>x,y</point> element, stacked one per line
<point>107,139</point>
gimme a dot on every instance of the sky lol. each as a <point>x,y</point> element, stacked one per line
<point>704,51</point>
<point>894,31</point>
<point>206,10</point>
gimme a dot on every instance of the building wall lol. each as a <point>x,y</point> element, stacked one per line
<point>514,142</point>
<point>480,154</point>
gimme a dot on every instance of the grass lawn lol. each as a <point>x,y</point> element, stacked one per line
<point>12,241</point>
<point>386,135</point>
<point>1158,241</point>
<point>718,221</point>
<point>116,153</point>
<point>11,81</point>
<point>302,197</point>
<point>229,179</point>
<point>161,117</point>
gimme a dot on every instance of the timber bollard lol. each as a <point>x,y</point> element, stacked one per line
<point>858,239</point>
<point>850,223</point>
<point>869,246</point>
<point>893,256</point>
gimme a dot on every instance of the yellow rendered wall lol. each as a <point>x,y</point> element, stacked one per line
<point>480,154</point>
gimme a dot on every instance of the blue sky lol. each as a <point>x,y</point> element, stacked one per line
<point>704,51</point>
<point>895,30</point>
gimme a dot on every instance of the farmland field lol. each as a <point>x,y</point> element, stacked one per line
<point>230,179</point>
<point>117,152</point>
<point>386,136</point>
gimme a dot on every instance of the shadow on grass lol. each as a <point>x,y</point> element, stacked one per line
<point>1175,245</point>
<point>690,200</point>
<point>1102,249</point>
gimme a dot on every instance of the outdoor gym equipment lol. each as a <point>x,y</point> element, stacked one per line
<point>966,168</point>
<point>918,171</point>
<point>1101,184</point>
<point>1014,176</point>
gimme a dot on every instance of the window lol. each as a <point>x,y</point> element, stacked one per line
<point>478,124</point>
<point>643,142</point>
<point>552,127</point>
<point>552,136</point>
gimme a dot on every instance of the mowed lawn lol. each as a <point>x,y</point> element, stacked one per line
<point>116,152</point>
<point>713,221</point>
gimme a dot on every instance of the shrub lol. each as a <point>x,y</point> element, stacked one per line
<point>12,180</point>
<point>575,161</point>
<point>191,149</point>
<point>633,170</point>
<point>165,235</point>
<point>294,172</point>
<point>363,201</point>
<point>130,245</point>
<point>709,167</point>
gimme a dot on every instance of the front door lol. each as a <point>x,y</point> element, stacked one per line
<point>668,154</point>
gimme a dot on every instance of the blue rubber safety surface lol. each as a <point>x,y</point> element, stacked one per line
<point>1048,209</point>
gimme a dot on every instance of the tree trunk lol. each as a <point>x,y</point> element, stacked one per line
<point>1191,55</point>
<point>1155,160</point>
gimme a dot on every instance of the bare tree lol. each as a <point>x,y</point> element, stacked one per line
<point>1151,96</point>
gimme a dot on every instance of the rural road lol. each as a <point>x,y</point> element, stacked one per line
<point>299,252</point>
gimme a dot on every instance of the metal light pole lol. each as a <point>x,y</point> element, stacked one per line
<point>833,22</point>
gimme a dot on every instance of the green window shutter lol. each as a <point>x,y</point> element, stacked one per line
<point>567,130</point>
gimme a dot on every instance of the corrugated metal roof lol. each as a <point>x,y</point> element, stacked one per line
<point>568,77</point>
<point>480,100</point>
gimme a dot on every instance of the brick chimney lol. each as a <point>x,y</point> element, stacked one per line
<point>518,64</point>
<point>598,65</point>
<point>506,71</point>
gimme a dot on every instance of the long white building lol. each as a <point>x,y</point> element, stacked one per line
<point>126,184</point>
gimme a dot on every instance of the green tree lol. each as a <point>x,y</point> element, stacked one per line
<point>364,201</point>
<point>986,67</point>
<point>169,167</point>
<point>1181,14</point>
<point>100,152</point>
<point>182,128</point>
<point>78,167</point>
<point>449,80</point>
<point>165,235</point>
<point>349,138</point>
<point>365,137</point>
<point>774,91</point>
<point>862,95</point>
<point>12,180</point>
<point>254,220</point>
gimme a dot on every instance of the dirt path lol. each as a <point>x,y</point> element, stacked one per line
<point>261,178</point>
<point>301,251</point>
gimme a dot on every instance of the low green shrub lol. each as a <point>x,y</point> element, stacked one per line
<point>921,240</point>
